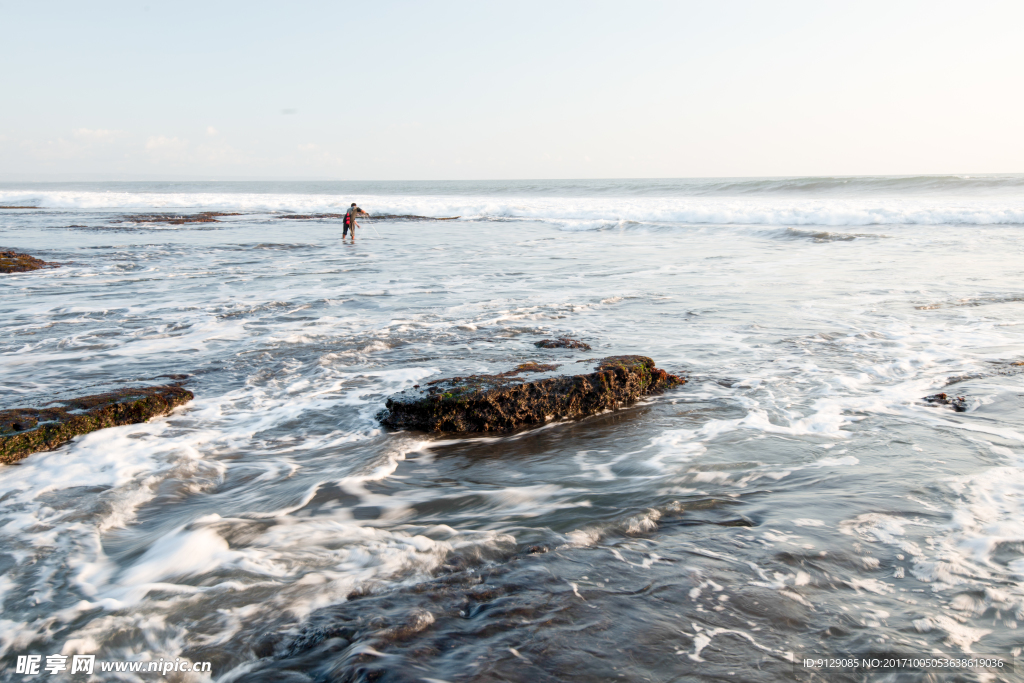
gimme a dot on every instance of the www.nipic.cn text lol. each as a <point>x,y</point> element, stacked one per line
<point>35,665</point>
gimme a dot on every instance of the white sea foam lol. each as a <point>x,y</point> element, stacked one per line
<point>961,554</point>
<point>576,213</point>
<point>128,465</point>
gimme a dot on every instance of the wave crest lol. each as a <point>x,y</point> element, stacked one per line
<point>581,213</point>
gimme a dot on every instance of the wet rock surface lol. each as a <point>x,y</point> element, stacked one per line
<point>562,343</point>
<point>958,403</point>
<point>508,401</point>
<point>544,613</point>
<point>433,625</point>
<point>24,431</point>
<point>14,262</point>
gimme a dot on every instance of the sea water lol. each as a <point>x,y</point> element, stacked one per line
<point>797,497</point>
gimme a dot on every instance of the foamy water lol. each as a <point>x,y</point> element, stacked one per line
<point>795,497</point>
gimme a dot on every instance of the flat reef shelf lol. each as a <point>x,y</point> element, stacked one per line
<point>176,219</point>
<point>508,401</point>
<point>24,431</point>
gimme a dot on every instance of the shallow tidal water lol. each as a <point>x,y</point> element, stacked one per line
<point>795,498</point>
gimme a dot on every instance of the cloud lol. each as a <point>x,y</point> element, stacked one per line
<point>95,135</point>
<point>83,143</point>
<point>210,130</point>
<point>158,143</point>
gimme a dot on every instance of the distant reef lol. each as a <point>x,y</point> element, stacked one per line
<point>508,401</point>
<point>176,218</point>
<point>24,431</point>
<point>365,216</point>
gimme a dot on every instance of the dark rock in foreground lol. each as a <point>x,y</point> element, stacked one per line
<point>562,343</point>
<point>507,401</point>
<point>959,403</point>
<point>24,431</point>
<point>13,262</point>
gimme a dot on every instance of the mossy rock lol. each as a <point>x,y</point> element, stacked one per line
<point>24,431</point>
<point>507,401</point>
<point>14,262</point>
<point>562,343</point>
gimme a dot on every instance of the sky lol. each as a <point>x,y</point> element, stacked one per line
<point>497,90</point>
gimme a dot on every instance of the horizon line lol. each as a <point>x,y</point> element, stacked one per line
<point>75,178</point>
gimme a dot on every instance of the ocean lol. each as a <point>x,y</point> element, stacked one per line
<point>796,498</point>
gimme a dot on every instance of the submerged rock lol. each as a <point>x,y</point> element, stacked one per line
<point>14,262</point>
<point>507,401</point>
<point>562,343</point>
<point>24,431</point>
<point>959,403</point>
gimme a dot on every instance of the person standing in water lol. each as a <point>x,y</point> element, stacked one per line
<point>350,221</point>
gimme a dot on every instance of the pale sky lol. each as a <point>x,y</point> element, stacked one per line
<point>487,90</point>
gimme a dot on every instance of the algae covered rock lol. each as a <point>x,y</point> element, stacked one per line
<point>562,343</point>
<point>15,262</point>
<point>24,431</point>
<point>507,401</point>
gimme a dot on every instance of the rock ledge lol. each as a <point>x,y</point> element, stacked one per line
<point>503,402</point>
<point>24,431</point>
<point>15,262</point>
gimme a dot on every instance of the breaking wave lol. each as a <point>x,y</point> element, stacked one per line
<point>572,212</point>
